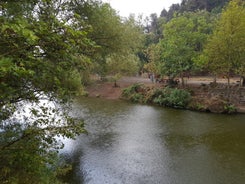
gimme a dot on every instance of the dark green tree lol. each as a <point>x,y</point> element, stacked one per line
<point>113,36</point>
<point>40,43</point>
<point>214,6</point>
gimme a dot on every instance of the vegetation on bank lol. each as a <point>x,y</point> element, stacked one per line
<point>171,97</point>
<point>176,98</point>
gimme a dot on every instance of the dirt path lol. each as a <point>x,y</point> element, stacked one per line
<point>108,91</point>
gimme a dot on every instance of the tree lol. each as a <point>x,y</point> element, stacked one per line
<point>119,65</point>
<point>225,50</point>
<point>126,62</point>
<point>40,43</point>
<point>174,8</point>
<point>214,6</point>
<point>184,37</point>
<point>192,5</point>
<point>153,34</point>
<point>112,35</point>
<point>153,53</point>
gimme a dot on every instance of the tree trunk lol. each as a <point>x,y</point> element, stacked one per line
<point>228,89</point>
<point>115,83</point>
<point>243,81</point>
<point>215,79</point>
<point>182,81</point>
<point>228,79</point>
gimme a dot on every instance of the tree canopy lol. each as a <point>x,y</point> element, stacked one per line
<point>47,48</point>
<point>183,40</point>
<point>38,59</point>
<point>194,5</point>
<point>190,27</point>
<point>224,53</point>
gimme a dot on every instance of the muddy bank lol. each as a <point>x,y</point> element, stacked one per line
<point>105,89</point>
<point>204,97</point>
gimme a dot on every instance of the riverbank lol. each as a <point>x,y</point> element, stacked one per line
<point>205,97</point>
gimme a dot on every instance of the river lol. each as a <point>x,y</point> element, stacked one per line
<point>141,144</point>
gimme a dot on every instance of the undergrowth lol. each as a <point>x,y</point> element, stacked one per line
<point>171,97</point>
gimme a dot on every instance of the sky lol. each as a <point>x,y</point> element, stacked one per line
<point>145,7</point>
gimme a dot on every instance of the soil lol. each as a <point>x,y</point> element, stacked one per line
<point>199,86</point>
<point>107,90</point>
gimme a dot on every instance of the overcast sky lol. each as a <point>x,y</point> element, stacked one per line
<point>145,7</point>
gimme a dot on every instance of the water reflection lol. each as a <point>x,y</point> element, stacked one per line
<point>130,143</point>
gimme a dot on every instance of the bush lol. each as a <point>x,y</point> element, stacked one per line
<point>230,108</point>
<point>171,97</point>
<point>135,93</point>
<point>135,88</point>
<point>137,98</point>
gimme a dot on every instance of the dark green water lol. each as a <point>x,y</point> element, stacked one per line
<point>140,144</point>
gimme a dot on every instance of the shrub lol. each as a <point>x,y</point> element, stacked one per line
<point>137,97</point>
<point>172,97</point>
<point>230,108</point>
<point>127,92</point>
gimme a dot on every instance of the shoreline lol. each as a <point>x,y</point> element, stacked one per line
<point>198,86</point>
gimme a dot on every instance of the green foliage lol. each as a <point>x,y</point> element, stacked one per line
<point>184,37</point>
<point>172,97</point>
<point>200,107</point>
<point>230,108</point>
<point>225,51</point>
<point>135,93</point>
<point>214,6</point>
<point>119,65</point>
<point>29,143</point>
<point>137,98</point>
<point>154,26</point>
<point>117,40</point>
<point>39,55</point>
<point>209,5</point>
<point>131,89</point>
<point>153,53</point>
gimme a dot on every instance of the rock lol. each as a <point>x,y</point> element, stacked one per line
<point>216,105</point>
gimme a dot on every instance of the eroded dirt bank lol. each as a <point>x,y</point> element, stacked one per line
<point>202,92</point>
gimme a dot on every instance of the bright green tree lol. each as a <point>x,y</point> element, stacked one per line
<point>225,51</point>
<point>184,37</point>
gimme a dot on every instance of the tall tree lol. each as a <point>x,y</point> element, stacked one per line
<point>153,53</point>
<point>183,41</point>
<point>126,61</point>
<point>225,50</point>
<point>113,36</point>
<point>40,43</point>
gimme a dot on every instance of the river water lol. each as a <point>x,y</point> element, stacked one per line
<point>140,144</point>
